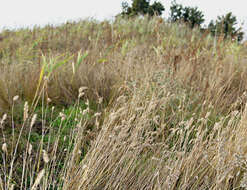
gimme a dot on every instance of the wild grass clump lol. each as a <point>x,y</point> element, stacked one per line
<point>128,104</point>
<point>37,153</point>
<point>139,148</point>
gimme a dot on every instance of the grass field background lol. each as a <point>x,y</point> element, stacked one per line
<point>128,104</point>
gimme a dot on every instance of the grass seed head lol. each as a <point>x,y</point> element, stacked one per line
<point>33,120</point>
<point>3,119</point>
<point>30,147</point>
<point>82,89</point>
<point>15,98</point>
<point>62,115</point>
<point>45,157</point>
<point>38,179</point>
<point>4,148</point>
<point>25,113</point>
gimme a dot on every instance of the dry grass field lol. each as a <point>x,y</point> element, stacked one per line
<point>129,105</point>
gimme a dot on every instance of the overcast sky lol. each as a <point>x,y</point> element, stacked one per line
<point>23,13</point>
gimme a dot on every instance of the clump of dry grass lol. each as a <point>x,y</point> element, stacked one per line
<point>138,148</point>
<point>169,107</point>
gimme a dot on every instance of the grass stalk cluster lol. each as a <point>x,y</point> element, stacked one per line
<point>128,104</point>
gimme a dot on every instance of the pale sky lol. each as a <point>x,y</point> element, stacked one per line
<point>23,13</point>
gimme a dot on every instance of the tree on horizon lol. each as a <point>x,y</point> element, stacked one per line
<point>226,25</point>
<point>142,7</point>
<point>190,15</point>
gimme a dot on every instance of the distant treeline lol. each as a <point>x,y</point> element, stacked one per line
<point>224,26</point>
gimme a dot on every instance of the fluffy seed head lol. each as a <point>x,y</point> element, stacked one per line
<point>45,157</point>
<point>3,118</point>
<point>4,147</point>
<point>33,120</point>
<point>15,98</point>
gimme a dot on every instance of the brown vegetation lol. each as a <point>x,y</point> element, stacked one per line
<point>173,114</point>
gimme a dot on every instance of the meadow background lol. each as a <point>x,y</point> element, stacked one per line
<point>136,103</point>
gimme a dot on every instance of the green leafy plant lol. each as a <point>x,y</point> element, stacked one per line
<point>189,15</point>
